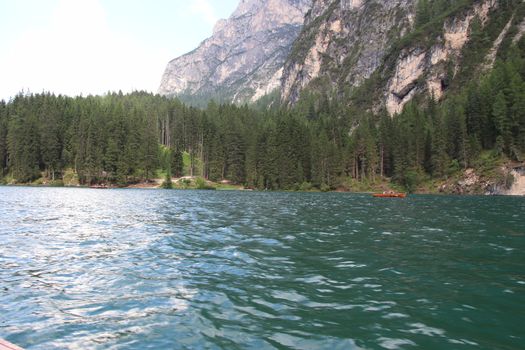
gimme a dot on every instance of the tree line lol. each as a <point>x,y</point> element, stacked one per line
<point>122,139</point>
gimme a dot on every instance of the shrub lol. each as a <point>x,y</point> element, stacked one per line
<point>201,184</point>
<point>167,184</point>
<point>305,187</point>
<point>325,188</point>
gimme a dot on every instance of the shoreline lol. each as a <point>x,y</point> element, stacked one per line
<point>242,189</point>
<point>468,182</point>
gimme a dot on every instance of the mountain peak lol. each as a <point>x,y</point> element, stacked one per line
<point>243,59</point>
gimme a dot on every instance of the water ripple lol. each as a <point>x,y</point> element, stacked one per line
<point>134,269</point>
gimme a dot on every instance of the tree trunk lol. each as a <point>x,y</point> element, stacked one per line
<point>192,162</point>
<point>382,160</point>
<point>202,153</point>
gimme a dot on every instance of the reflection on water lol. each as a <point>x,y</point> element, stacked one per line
<point>134,269</point>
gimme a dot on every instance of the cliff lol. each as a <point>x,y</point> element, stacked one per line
<point>243,59</point>
<point>343,42</point>
<point>382,54</point>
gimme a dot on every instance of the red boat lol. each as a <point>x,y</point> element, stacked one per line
<point>390,195</point>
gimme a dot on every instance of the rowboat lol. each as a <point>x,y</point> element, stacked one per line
<point>390,195</point>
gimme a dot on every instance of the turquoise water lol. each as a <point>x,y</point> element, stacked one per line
<point>154,269</point>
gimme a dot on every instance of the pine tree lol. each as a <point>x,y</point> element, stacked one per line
<point>502,122</point>
<point>176,163</point>
<point>3,139</point>
<point>23,148</point>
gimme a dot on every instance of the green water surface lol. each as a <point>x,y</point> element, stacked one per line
<point>155,269</point>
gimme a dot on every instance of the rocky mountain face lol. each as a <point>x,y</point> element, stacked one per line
<point>346,43</point>
<point>243,59</point>
<point>343,42</point>
<point>429,68</point>
<point>373,49</point>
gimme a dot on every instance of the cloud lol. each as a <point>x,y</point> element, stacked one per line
<point>77,52</point>
<point>204,9</point>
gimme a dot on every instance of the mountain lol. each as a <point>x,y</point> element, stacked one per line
<point>343,42</point>
<point>384,53</point>
<point>243,59</point>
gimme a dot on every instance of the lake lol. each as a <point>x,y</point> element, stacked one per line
<point>160,269</point>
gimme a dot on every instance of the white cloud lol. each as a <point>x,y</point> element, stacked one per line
<point>204,9</point>
<point>77,52</point>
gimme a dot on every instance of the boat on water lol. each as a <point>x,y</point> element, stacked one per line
<point>390,195</point>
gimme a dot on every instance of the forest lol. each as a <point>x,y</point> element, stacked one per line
<point>325,144</point>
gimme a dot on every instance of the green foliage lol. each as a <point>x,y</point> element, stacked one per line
<point>167,156</point>
<point>411,179</point>
<point>325,188</point>
<point>70,177</point>
<point>57,183</point>
<point>482,37</point>
<point>202,184</point>
<point>185,183</point>
<point>177,164</point>
<point>305,187</point>
<point>167,184</point>
<point>271,101</point>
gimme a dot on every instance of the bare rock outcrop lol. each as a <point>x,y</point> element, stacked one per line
<point>344,41</point>
<point>243,59</point>
<point>425,70</point>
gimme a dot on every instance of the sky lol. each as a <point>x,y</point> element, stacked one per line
<point>75,47</point>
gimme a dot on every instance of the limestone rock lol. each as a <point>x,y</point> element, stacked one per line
<point>344,41</point>
<point>243,59</point>
<point>425,70</point>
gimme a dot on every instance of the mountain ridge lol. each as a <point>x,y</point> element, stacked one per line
<point>242,60</point>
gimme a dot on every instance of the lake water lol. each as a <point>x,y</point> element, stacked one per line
<point>155,269</point>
